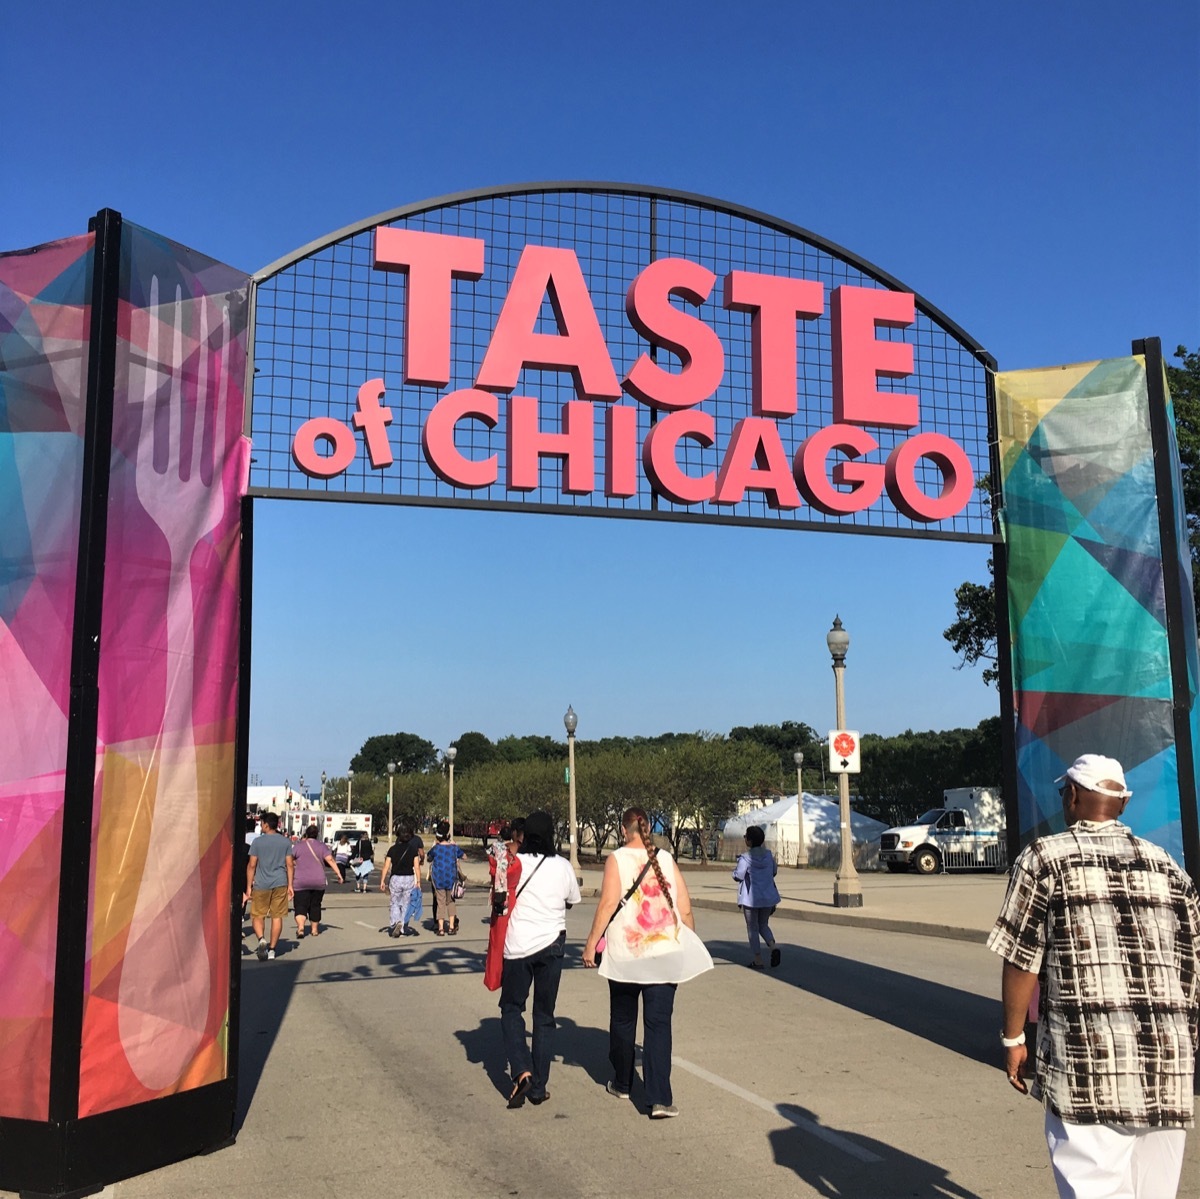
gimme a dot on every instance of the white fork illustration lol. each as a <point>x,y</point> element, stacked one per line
<point>165,983</point>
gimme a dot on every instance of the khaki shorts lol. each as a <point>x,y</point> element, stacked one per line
<point>273,903</point>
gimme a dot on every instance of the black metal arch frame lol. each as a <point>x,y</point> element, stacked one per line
<point>333,259</point>
<point>593,187</point>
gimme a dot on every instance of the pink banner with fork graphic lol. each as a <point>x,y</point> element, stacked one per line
<point>157,978</point>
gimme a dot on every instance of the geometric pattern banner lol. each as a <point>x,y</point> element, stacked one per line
<point>157,978</point>
<point>1087,590</point>
<point>44,295</point>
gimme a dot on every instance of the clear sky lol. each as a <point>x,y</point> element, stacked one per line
<point>1029,168</point>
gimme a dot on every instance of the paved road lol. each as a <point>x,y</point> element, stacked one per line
<point>864,1067</point>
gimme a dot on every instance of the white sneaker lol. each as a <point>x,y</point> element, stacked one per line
<point>261,950</point>
<point>663,1111</point>
<point>270,955</point>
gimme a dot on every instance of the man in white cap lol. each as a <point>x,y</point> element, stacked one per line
<point>1110,923</point>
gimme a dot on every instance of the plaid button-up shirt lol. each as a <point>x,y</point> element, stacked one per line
<point>1110,922</point>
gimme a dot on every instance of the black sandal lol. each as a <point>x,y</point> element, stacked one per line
<point>520,1090</point>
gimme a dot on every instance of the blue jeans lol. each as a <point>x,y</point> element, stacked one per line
<point>756,924</point>
<point>658,1004</point>
<point>542,971</point>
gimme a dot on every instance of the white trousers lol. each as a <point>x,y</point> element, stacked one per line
<point>1114,1161</point>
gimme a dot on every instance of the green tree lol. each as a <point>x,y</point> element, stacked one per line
<point>410,753</point>
<point>784,740</point>
<point>502,790</point>
<point>609,781</point>
<point>973,633</point>
<point>703,778</point>
<point>1184,382</point>
<point>474,749</point>
<point>905,775</point>
<point>530,749</point>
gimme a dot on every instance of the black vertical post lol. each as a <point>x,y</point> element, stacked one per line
<point>1008,708</point>
<point>241,773</point>
<point>1167,491</point>
<point>83,719</point>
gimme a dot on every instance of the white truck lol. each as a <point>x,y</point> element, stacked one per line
<point>334,824</point>
<point>966,833</point>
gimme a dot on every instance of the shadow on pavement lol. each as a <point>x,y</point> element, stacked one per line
<point>961,1021</point>
<point>576,1045</point>
<point>266,992</point>
<point>847,1164</point>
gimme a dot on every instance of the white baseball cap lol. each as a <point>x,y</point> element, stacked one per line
<point>1095,772</point>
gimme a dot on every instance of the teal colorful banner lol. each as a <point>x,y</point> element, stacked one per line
<point>1087,584</point>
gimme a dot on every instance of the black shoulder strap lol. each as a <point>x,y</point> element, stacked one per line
<point>633,886</point>
<point>528,880</point>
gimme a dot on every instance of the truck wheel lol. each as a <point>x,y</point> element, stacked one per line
<point>926,861</point>
<point>897,867</point>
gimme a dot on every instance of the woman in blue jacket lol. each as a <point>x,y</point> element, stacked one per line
<point>757,894</point>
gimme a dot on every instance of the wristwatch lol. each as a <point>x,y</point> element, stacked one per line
<point>1012,1042</point>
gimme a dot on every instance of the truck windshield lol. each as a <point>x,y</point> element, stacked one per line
<point>931,817</point>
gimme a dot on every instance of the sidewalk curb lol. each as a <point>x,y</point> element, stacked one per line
<point>879,923</point>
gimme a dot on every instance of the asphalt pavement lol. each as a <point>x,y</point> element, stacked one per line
<point>865,1067</point>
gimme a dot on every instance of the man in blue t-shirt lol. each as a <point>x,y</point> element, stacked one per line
<point>269,875</point>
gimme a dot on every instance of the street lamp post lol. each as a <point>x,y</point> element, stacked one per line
<point>450,754</point>
<point>303,797</point>
<point>349,789</point>
<point>802,852</point>
<point>391,785</point>
<point>287,793</point>
<point>571,721</point>
<point>323,778</point>
<point>847,886</point>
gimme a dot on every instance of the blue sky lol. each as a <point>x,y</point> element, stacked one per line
<point>1030,169</point>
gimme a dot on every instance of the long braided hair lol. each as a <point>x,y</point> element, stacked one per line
<point>637,820</point>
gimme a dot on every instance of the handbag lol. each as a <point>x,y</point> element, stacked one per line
<point>459,889</point>
<point>493,962</point>
<point>603,939</point>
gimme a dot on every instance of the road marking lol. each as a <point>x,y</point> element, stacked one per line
<point>364,924</point>
<point>835,1139</point>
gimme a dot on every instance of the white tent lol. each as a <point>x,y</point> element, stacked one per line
<point>781,825</point>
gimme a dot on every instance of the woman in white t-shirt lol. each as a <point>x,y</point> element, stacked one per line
<point>650,947</point>
<point>533,955</point>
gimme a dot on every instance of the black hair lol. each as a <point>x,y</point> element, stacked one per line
<point>755,836</point>
<point>443,830</point>
<point>539,834</point>
<point>311,831</point>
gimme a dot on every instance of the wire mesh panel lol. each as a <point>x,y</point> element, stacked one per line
<point>327,321</point>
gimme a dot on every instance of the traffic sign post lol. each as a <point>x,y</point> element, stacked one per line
<point>843,751</point>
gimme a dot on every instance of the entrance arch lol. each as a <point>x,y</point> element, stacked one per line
<point>577,348</point>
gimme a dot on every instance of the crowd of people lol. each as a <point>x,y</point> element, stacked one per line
<point>642,940</point>
<point>1099,934</point>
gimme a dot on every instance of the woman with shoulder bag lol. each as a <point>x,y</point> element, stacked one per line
<point>645,918</point>
<point>758,896</point>
<point>311,856</point>
<point>533,956</point>
<point>362,863</point>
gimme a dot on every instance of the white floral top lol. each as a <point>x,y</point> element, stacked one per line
<point>647,942</point>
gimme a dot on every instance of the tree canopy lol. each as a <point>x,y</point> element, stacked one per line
<point>411,754</point>
<point>1184,382</point>
<point>687,782</point>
